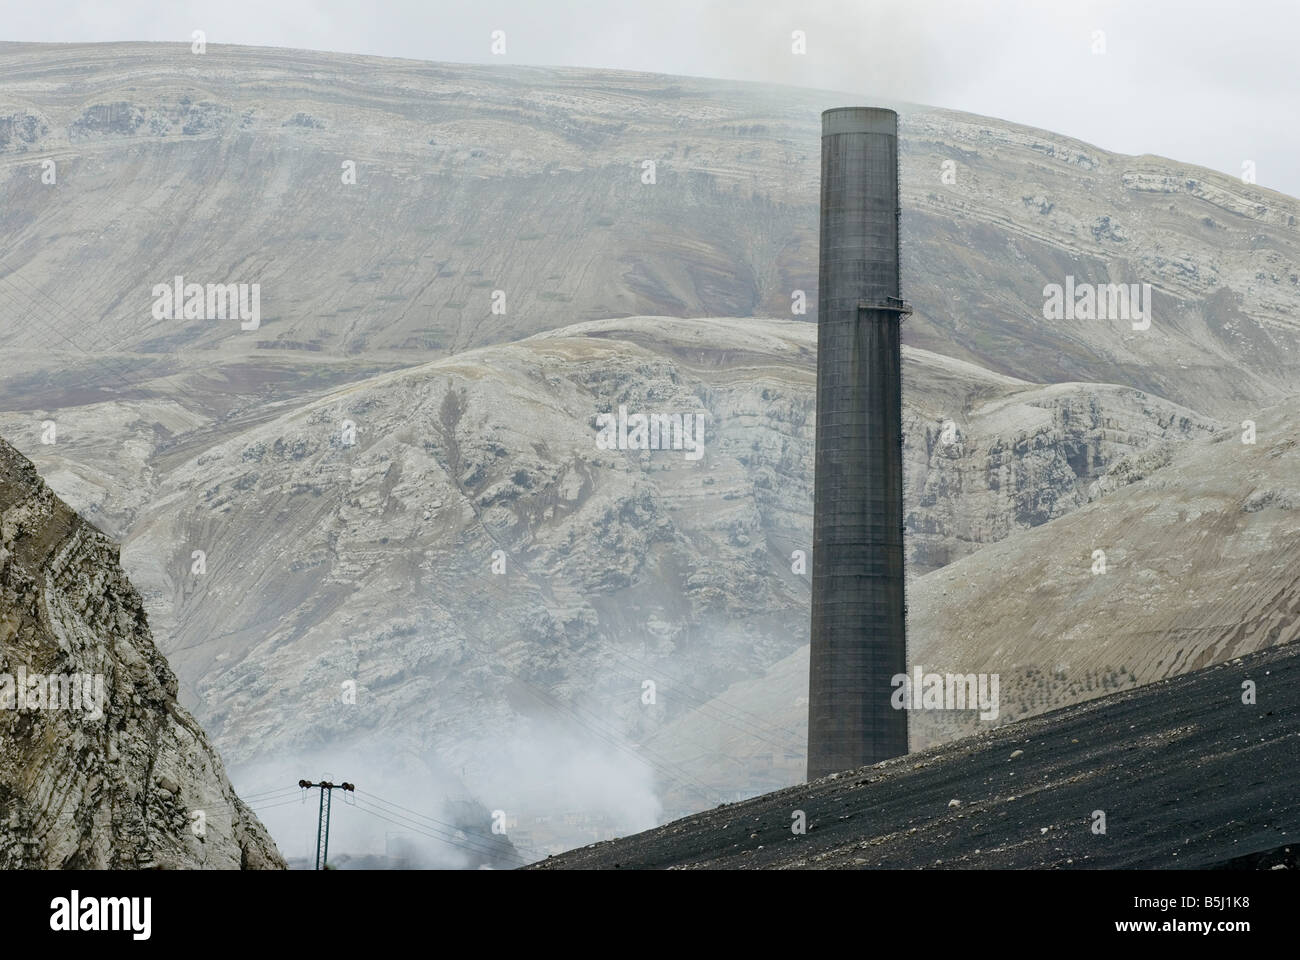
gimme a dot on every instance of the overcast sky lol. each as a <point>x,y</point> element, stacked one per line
<point>1213,82</point>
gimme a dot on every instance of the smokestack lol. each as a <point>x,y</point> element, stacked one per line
<point>858,619</point>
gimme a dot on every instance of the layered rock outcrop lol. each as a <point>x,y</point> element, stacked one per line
<point>100,767</point>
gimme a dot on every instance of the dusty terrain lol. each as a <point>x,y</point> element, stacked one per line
<point>1186,775</point>
<point>350,470</point>
<point>228,167</point>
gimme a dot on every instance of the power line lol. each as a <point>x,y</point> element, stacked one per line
<point>370,797</point>
<point>423,832</point>
<point>262,808</point>
<point>434,834</point>
<point>262,795</point>
<point>458,838</point>
<point>326,789</point>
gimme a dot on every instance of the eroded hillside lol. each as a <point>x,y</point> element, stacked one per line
<point>106,770</point>
<point>1183,560</point>
<point>389,484</point>
<point>454,541</point>
<point>466,181</point>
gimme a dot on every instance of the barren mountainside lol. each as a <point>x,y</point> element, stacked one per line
<point>355,538</point>
<point>229,166</point>
<point>1197,566</point>
<point>389,487</point>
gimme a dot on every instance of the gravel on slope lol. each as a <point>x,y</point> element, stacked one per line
<point>1187,775</point>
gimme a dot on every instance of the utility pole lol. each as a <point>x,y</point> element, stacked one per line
<point>323,826</point>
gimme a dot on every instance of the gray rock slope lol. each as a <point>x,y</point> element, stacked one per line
<point>126,780</point>
<point>229,167</point>
<point>1199,567</point>
<point>371,562</point>
<point>370,558</point>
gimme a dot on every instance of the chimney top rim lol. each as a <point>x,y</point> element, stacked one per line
<point>859,120</point>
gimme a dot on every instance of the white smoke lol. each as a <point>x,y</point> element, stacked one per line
<point>549,785</point>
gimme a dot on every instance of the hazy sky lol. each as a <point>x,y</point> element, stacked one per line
<point>1214,82</point>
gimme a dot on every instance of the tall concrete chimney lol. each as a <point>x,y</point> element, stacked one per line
<point>858,619</point>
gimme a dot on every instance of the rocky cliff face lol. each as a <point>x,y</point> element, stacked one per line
<point>99,765</point>
<point>452,540</point>
<point>393,486</point>
<point>1183,558</point>
<point>1022,456</point>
